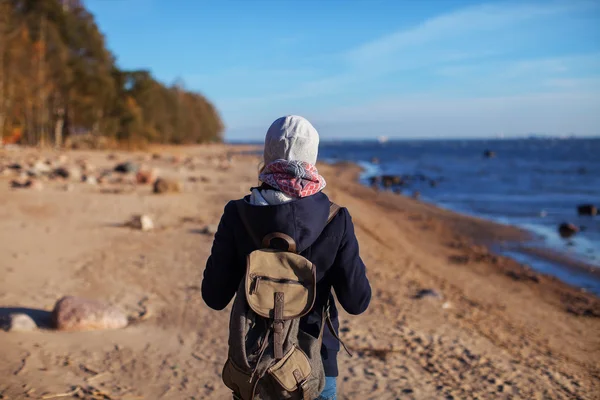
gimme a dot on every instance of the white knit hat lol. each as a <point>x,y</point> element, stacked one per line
<point>291,138</point>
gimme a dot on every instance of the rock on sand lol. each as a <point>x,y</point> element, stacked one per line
<point>18,322</point>
<point>41,167</point>
<point>126,168</point>
<point>587,209</point>
<point>29,184</point>
<point>146,176</point>
<point>210,230</point>
<point>141,222</point>
<point>566,230</point>
<point>162,185</point>
<point>78,314</point>
<point>89,179</point>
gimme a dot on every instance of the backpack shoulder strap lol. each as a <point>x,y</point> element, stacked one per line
<point>332,330</point>
<point>334,209</point>
<point>244,218</point>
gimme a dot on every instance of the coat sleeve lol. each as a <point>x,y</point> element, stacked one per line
<point>350,280</point>
<point>223,273</point>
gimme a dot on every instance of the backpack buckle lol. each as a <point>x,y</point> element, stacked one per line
<point>301,382</point>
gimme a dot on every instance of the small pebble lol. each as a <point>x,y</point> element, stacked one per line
<point>141,222</point>
<point>18,322</point>
<point>209,229</point>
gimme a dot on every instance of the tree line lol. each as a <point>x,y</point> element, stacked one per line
<point>58,81</point>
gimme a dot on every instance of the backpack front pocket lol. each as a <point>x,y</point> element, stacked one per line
<point>290,275</point>
<point>292,371</point>
<point>263,288</point>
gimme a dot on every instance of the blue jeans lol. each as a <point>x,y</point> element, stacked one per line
<point>330,389</point>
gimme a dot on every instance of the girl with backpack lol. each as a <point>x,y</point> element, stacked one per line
<point>280,251</point>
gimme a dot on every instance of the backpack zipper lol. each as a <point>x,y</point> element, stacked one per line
<point>257,278</point>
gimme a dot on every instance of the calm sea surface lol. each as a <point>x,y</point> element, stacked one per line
<point>535,184</point>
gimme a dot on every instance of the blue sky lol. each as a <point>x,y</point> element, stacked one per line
<point>359,69</point>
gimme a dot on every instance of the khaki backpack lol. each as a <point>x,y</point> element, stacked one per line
<point>270,357</point>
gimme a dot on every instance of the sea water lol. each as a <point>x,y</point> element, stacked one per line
<point>535,184</point>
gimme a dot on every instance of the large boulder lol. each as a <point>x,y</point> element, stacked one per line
<point>587,209</point>
<point>78,314</point>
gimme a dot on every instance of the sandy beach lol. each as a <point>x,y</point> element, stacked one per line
<point>448,320</point>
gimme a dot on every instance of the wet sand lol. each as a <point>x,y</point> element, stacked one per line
<point>448,319</point>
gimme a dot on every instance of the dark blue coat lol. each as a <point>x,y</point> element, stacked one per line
<point>332,248</point>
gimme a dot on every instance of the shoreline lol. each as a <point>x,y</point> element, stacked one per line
<point>502,240</point>
<point>448,317</point>
<point>520,246</point>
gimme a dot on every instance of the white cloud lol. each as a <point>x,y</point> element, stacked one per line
<point>421,47</point>
<point>469,21</point>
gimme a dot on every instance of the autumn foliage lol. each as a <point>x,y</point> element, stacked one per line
<point>58,82</point>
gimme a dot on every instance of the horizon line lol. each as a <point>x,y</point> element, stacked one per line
<point>431,138</point>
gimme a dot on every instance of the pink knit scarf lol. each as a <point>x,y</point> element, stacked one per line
<point>294,178</point>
